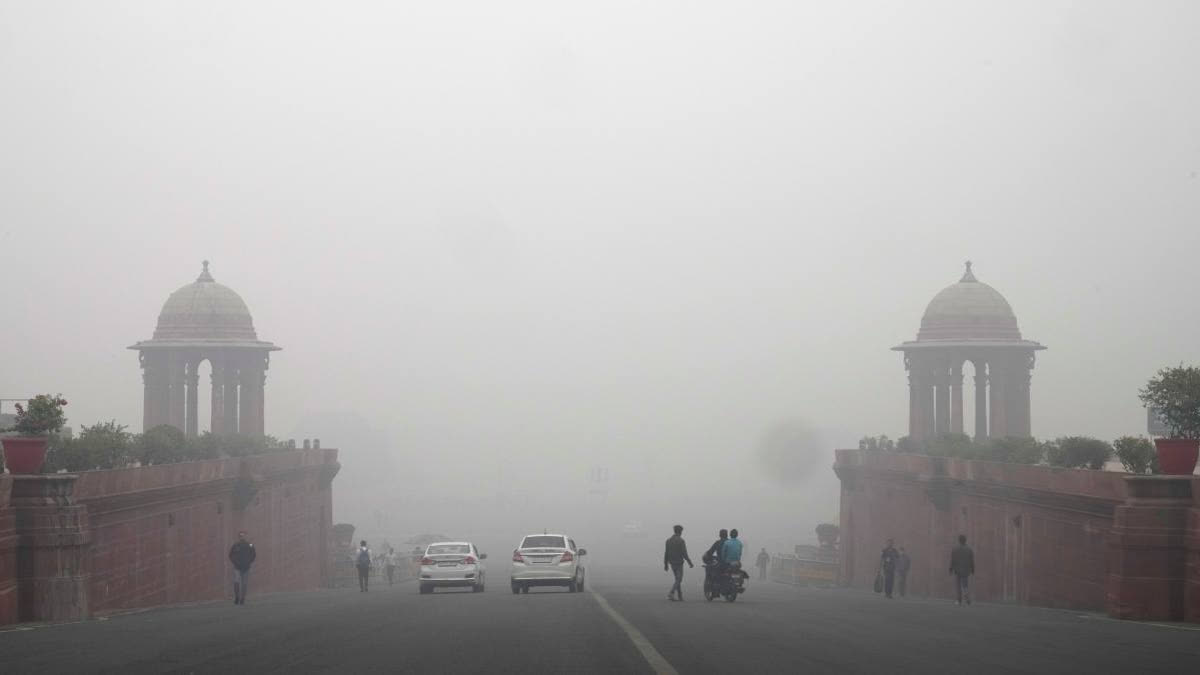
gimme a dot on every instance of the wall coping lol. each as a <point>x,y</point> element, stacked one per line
<point>1097,484</point>
<point>110,482</point>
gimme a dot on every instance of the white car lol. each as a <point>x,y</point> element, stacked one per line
<point>452,563</point>
<point>547,560</point>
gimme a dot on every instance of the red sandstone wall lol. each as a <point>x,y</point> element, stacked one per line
<point>160,534</point>
<point>8,555</point>
<point>1039,533</point>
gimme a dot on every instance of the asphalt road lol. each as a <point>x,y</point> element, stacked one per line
<point>772,628</point>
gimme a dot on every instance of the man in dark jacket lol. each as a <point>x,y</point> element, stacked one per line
<point>887,565</point>
<point>712,557</point>
<point>242,555</point>
<point>674,556</point>
<point>962,566</point>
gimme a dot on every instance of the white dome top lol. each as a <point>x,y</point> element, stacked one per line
<point>969,310</point>
<point>205,310</point>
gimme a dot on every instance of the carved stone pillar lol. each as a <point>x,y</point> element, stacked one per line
<point>956,398</point>
<point>157,385</point>
<point>229,387</point>
<point>192,421</point>
<point>997,393</point>
<point>252,380</point>
<point>52,540</point>
<point>981,419</point>
<point>217,410</point>
<point>1148,550</point>
<point>920,392</point>
<point>941,399</point>
<point>177,403</point>
<point>1021,409</point>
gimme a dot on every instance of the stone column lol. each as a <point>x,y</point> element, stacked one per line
<point>1021,413</point>
<point>177,400</point>
<point>1148,549</point>
<point>192,421</point>
<point>941,398</point>
<point>217,409</point>
<point>157,385</point>
<point>920,406</point>
<point>997,395</point>
<point>252,382</point>
<point>52,539</point>
<point>956,398</point>
<point>981,419</point>
<point>229,391</point>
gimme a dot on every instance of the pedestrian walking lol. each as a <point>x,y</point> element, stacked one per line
<point>962,566</point>
<point>363,562</point>
<point>242,555</point>
<point>763,560</point>
<point>389,565</point>
<point>902,566</point>
<point>674,556</point>
<point>887,565</point>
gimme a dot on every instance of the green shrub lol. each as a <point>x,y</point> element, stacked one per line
<point>1136,454</point>
<point>1079,452</point>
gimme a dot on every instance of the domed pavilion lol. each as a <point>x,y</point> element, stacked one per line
<point>205,321</point>
<point>969,321</point>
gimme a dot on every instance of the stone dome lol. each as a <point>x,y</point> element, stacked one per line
<point>969,310</point>
<point>205,310</point>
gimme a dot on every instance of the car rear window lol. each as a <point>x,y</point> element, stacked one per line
<point>543,541</point>
<point>441,549</point>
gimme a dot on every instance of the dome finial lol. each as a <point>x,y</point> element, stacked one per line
<point>968,275</point>
<point>204,275</point>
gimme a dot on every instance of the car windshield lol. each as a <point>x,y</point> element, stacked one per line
<point>543,541</point>
<point>440,549</point>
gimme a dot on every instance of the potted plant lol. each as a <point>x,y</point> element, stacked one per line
<point>1175,394</point>
<point>41,416</point>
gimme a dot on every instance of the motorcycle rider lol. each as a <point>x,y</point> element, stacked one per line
<point>712,557</point>
<point>731,550</point>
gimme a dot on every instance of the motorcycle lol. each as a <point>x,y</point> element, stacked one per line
<point>724,582</point>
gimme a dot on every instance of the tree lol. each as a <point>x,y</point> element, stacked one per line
<point>877,443</point>
<point>1136,454</point>
<point>1175,394</point>
<point>163,444</point>
<point>107,443</point>
<point>1082,452</point>
<point>907,444</point>
<point>952,445</point>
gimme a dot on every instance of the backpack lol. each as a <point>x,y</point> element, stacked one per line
<point>364,558</point>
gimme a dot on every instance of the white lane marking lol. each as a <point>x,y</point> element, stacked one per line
<point>652,656</point>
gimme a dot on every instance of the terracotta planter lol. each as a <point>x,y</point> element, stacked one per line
<point>24,454</point>
<point>1177,456</point>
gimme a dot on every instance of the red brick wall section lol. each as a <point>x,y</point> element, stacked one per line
<point>1039,533</point>
<point>161,534</point>
<point>8,555</point>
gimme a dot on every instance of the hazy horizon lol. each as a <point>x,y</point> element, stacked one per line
<point>503,244</point>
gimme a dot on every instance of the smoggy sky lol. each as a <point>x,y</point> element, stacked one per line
<point>509,231</point>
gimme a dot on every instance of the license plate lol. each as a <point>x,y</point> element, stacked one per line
<point>543,559</point>
<point>448,564</point>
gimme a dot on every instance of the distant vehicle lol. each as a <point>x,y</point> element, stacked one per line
<point>548,560</point>
<point>452,563</point>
